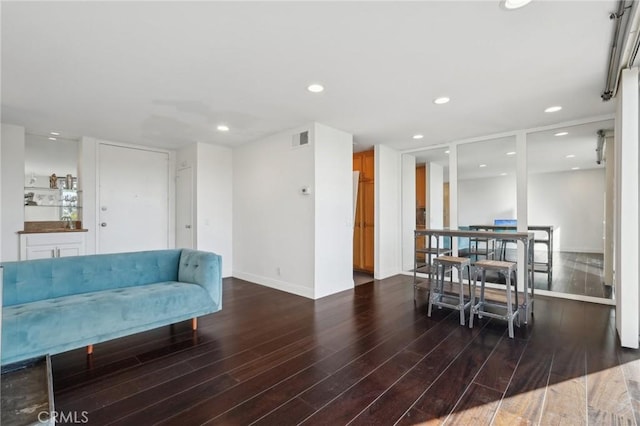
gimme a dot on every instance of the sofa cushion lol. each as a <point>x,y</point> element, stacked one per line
<point>33,280</point>
<point>63,323</point>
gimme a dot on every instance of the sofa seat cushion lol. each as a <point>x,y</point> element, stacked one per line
<point>73,321</point>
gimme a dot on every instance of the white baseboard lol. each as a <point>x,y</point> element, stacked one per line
<point>276,284</point>
<point>578,297</point>
<point>381,275</point>
<point>581,250</point>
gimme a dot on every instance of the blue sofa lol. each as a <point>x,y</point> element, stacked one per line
<point>55,305</point>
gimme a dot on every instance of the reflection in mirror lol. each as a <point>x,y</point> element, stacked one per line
<point>486,182</point>
<point>432,188</point>
<point>487,195</point>
<point>431,199</point>
<point>44,199</point>
<point>566,191</point>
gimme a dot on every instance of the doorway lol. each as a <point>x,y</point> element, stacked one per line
<point>364,223</point>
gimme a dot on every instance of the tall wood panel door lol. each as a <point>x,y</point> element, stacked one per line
<point>421,204</point>
<point>363,235</point>
<point>421,183</point>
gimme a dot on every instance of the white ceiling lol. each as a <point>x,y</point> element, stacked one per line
<point>167,73</point>
<point>546,153</point>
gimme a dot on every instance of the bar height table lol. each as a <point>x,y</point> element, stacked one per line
<point>544,267</point>
<point>527,238</point>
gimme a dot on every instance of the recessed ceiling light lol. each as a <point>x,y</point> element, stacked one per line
<point>553,109</point>
<point>418,136</point>
<point>441,100</point>
<point>514,4</point>
<point>561,134</point>
<point>223,128</point>
<point>315,88</point>
<point>503,174</point>
<point>575,168</point>
<point>55,133</point>
<point>511,153</point>
<point>53,139</point>
<point>482,165</point>
<point>446,152</point>
<point>571,156</point>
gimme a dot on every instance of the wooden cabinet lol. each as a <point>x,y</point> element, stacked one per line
<point>363,234</point>
<point>51,244</point>
<point>421,186</point>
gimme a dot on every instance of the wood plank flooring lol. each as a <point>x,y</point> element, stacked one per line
<point>361,357</point>
<point>573,273</point>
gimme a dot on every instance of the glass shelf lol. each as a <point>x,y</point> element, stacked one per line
<point>51,204</point>
<point>39,188</point>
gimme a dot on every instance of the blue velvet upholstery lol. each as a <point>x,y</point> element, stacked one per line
<point>54,305</point>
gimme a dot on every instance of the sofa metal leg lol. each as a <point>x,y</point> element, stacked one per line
<point>194,324</point>
<point>89,349</point>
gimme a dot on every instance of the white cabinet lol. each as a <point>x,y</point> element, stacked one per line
<point>51,244</point>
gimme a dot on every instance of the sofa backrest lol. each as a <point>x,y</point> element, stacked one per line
<point>31,280</point>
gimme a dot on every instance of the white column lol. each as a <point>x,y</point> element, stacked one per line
<point>387,247</point>
<point>333,207</point>
<point>522,206</point>
<point>626,204</point>
<point>435,194</point>
<point>453,194</point>
<point>408,210</point>
<point>609,208</point>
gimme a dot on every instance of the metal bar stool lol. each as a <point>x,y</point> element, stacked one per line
<point>508,269</point>
<point>437,294</point>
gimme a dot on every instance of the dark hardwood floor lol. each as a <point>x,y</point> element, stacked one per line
<point>362,357</point>
<point>573,273</point>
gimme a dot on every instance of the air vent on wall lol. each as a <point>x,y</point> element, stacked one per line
<point>300,139</point>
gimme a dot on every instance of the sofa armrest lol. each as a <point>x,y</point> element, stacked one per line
<point>202,268</point>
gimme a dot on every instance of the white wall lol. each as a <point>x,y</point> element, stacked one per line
<point>570,201</point>
<point>87,178</point>
<point>212,205</point>
<point>333,191</point>
<point>480,201</point>
<point>214,213</point>
<point>12,170</point>
<point>573,202</point>
<point>388,215</point>
<point>274,224</point>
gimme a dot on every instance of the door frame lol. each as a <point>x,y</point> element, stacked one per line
<point>171,188</point>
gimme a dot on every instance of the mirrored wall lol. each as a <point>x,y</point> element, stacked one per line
<point>567,200</point>
<point>486,183</point>
<point>566,192</point>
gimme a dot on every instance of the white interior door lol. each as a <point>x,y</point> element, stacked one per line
<point>184,209</point>
<point>133,199</point>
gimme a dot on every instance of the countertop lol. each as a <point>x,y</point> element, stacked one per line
<point>52,230</point>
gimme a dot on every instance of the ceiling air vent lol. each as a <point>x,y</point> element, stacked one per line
<point>300,139</point>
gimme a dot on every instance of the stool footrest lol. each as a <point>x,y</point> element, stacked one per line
<point>456,306</point>
<point>477,309</point>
